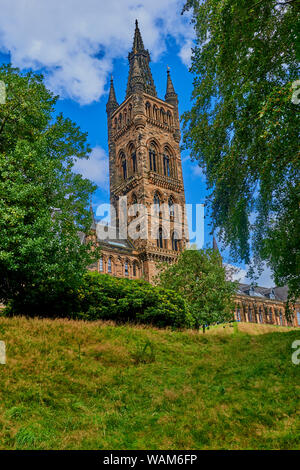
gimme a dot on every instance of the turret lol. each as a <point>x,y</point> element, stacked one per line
<point>172,98</point>
<point>112,103</point>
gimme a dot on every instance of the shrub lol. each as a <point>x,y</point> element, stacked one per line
<point>100,296</point>
<point>105,297</point>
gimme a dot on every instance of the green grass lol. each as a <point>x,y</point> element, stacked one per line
<point>78,385</point>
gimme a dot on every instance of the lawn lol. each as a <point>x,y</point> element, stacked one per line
<point>79,385</point>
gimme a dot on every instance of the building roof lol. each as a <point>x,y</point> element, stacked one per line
<point>273,293</point>
<point>115,243</point>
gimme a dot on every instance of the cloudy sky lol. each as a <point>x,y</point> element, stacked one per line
<point>77,45</point>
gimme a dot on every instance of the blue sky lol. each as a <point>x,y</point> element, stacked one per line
<point>78,48</point>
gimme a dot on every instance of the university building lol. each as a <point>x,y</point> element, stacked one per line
<point>145,167</point>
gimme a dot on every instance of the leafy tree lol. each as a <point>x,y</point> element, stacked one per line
<point>200,279</point>
<point>42,202</point>
<point>243,128</point>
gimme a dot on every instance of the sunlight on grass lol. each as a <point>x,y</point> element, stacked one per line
<point>80,385</point>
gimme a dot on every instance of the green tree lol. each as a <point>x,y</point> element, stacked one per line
<point>200,279</point>
<point>243,128</point>
<point>42,202</point>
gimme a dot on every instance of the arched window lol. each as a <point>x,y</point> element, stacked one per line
<point>156,202</point>
<point>101,264</point>
<point>155,112</point>
<point>175,242</point>
<point>134,269</point>
<point>159,240</point>
<point>249,314</point>
<point>148,109</point>
<point>298,317</point>
<point>171,207</point>
<point>109,265</point>
<point>260,315</point>
<point>169,116</point>
<point>238,314</point>
<point>166,160</point>
<point>124,166</point>
<point>133,161</point>
<point>126,268</point>
<point>270,315</point>
<point>130,112</point>
<point>280,318</point>
<point>152,158</point>
<point>120,120</point>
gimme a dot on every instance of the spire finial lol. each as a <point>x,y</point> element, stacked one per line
<point>112,103</point>
<point>93,225</point>
<point>170,93</point>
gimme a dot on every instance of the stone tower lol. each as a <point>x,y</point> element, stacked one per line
<point>145,164</point>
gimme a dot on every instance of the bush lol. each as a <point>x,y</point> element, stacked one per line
<point>105,297</point>
<point>100,296</point>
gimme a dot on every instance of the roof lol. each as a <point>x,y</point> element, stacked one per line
<point>115,243</point>
<point>273,293</point>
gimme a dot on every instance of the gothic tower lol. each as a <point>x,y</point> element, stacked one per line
<point>145,163</point>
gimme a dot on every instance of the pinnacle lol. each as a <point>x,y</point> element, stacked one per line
<point>170,87</point>
<point>138,44</point>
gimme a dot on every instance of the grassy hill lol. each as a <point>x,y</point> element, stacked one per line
<point>78,385</point>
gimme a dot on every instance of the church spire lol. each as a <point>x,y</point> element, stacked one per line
<point>170,96</point>
<point>138,44</point>
<point>93,226</point>
<point>112,103</point>
<point>141,55</point>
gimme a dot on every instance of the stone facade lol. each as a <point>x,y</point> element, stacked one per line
<point>145,166</point>
<point>264,305</point>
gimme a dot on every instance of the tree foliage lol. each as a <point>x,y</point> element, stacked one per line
<point>42,202</point>
<point>200,279</point>
<point>104,297</point>
<point>243,127</point>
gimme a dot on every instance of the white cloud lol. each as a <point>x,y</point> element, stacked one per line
<point>198,172</point>
<point>240,275</point>
<point>185,53</point>
<point>76,41</point>
<point>95,168</point>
